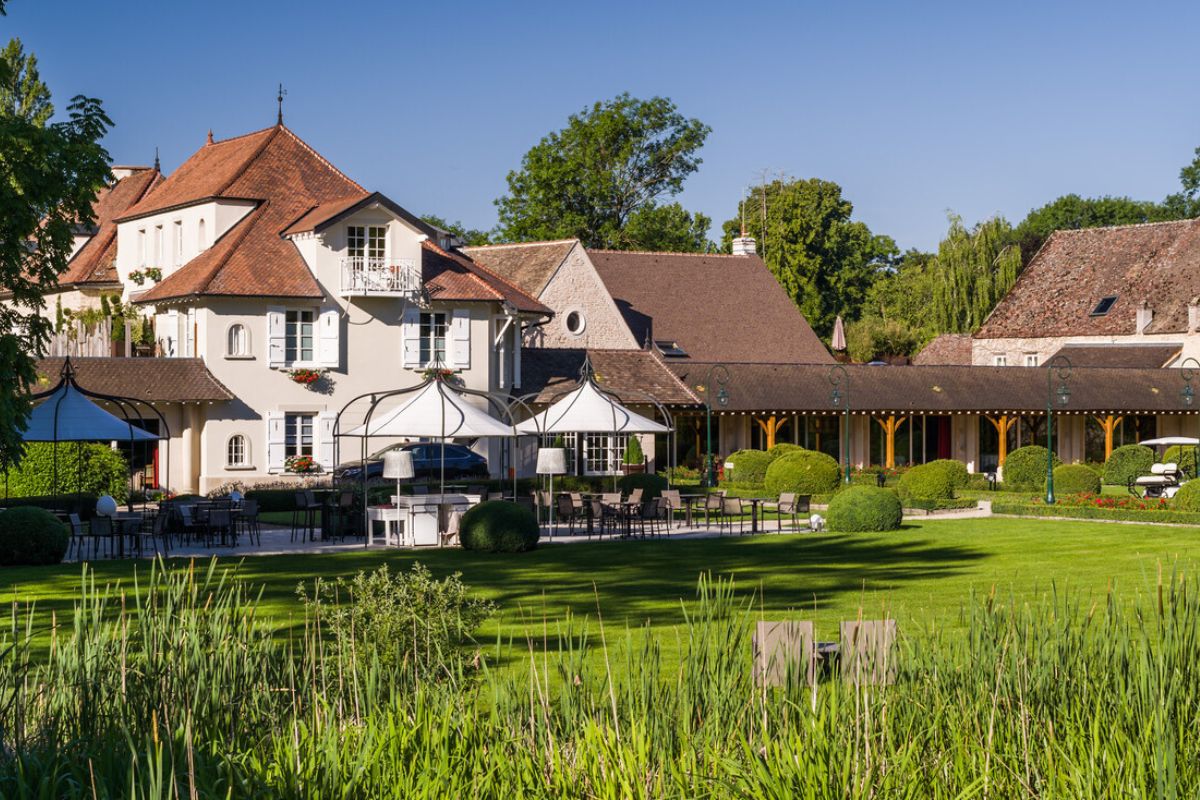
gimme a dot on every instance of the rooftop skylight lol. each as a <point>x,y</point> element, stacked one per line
<point>1103,307</point>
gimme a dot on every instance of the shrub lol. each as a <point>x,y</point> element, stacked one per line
<point>31,536</point>
<point>804,472</point>
<point>87,468</point>
<point>783,448</point>
<point>1025,468</point>
<point>651,485</point>
<point>1184,456</point>
<point>408,618</point>
<point>926,482</point>
<point>82,504</point>
<point>956,471</point>
<point>633,452</point>
<point>1126,463</point>
<point>864,508</point>
<point>1076,479</point>
<point>1188,496</point>
<point>498,526</point>
<point>749,466</point>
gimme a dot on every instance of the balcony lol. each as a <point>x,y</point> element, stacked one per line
<point>363,276</point>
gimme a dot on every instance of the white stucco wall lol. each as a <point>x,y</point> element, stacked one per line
<point>576,287</point>
<point>984,351</point>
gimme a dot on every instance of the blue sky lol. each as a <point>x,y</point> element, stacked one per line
<point>916,109</point>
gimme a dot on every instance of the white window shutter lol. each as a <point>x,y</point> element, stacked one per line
<point>276,336</point>
<point>171,339</point>
<point>460,339</point>
<point>325,448</point>
<point>189,335</point>
<point>410,337</point>
<point>275,441</point>
<point>330,324</point>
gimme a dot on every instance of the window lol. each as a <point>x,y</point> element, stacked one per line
<point>575,323</point>
<point>1000,361</point>
<point>602,453</point>
<point>433,338</point>
<point>299,331</point>
<point>298,434</point>
<point>177,237</point>
<point>1031,359</point>
<point>237,342</point>
<point>1104,306</point>
<point>201,236</point>
<point>141,247</point>
<point>366,240</point>
<point>236,452</point>
<point>159,254</point>
<point>569,441</point>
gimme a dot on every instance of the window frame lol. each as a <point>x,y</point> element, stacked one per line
<point>293,441</point>
<point>1032,360</point>
<point>245,353</point>
<point>1000,361</point>
<point>608,448</point>
<point>177,245</point>
<point>427,338</point>
<point>294,354</point>
<point>244,462</point>
<point>1104,305</point>
<point>368,242</point>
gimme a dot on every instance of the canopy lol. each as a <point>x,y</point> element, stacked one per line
<point>436,411</point>
<point>589,410</point>
<point>1171,441</point>
<point>79,420</point>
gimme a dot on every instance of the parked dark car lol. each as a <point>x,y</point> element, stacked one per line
<point>427,462</point>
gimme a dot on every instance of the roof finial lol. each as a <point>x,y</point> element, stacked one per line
<point>279,97</point>
<point>210,139</point>
<point>156,165</point>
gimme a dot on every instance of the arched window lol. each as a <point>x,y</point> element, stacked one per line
<point>237,341</point>
<point>237,451</point>
<point>201,236</point>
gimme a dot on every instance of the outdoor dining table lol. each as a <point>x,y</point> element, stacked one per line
<point>755,504</point>
<point>125,523</point>
<point>689,502</point>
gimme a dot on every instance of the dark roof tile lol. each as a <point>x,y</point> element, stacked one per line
<point>155,380</point>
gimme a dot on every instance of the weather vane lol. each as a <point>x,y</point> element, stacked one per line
<point>282,94</point>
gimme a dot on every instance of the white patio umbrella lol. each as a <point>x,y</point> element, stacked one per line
<point>838,340</point>
<point>589,410</point>
<point>436,412</point>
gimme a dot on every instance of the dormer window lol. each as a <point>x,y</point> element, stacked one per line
<point>366,241</point>
<point>1104,306</point>
<point>671,349</point>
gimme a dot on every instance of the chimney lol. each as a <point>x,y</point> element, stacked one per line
<point>1193,314</point>
<point>744,246</point>
<point>1145,315</point>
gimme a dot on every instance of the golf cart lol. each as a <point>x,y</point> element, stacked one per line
<point>1165,478</point>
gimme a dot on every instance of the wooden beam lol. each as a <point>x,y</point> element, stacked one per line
<point>1002,424</point>
<point>890,425</point>
<point>1108,424</point>
<point>770,427</point>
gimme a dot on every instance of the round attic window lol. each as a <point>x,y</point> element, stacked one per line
<point>575,323</point>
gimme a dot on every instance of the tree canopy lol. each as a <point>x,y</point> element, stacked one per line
<point>601,179</point>
<point>975,268</point>
<point>22,93</point>
<point>471,237</point>
<point>1071,212</point>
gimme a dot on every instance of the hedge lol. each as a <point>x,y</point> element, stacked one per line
<point>749,466</point>
<point>87,468</point>
<point>82,504</point>
<point>864,508</point>
<point>31,536</point>
<point>1025,468</point>
<point>956,471</point>
<point>926,482</point>
<point>652,485</point>
<point>1126,463</point>
<point>1092,512</point>
<point>1184,456</point>
<point>1076,479</point>
<point>783,448</point>
<point>803,472</point>
<point>1188,496</point>
<point>498,526</point>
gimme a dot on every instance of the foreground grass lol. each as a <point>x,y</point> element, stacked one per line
<point>921,575</point>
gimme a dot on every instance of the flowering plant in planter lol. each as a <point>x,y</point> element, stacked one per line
<point>305,376</point>
<point>300,464</point>
<point>439,372</point>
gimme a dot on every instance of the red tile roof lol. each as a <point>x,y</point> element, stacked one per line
<point>325,214</point>
<point>529,266</point>
<point>155,380</point>
<point>948,348</point>
<point>96,260</point>
<point>1120,355</point>
<point>452,276</point>
<point>550,372</point>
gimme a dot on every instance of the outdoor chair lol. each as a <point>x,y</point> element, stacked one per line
<point>160,534</point>
<point>220,524</point>
<point>615,509</point>
<point>102,534</point>
<point>714,505</point>
<point>605,517</point>
<point>635,496</point>
<point>792,505</point>
<point>79,536</point>
<point>671,504</point>
<point>651,516</point>
<point>542,501</point>
<point>732,507</point>
<point>248,519</point>
<point>568,513</point>
<point>304,516</point>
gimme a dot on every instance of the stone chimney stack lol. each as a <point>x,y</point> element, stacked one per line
<point>1145,315</point>
<point>745,246</point>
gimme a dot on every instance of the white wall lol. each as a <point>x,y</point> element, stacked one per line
<point>576,287</point>
<point>984,351</point>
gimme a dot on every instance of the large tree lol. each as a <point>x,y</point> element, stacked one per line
<point>825,260</point>
<point>22,93</point>
<point>613,161</point>
<point>974,268</point>
<point>49,176</point>
<point>468,236</point>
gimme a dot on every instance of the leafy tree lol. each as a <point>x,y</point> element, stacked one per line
<point>1071,212</point>
<point>589,180</point>
<point>49,176</point>
<point>468,236</point>
<point>904,292</point>
<point>1186,204</point>
<point>824,260</point>
<point>22,93</point>
<point>872,338</point>
<point>668,227</point>
<point>975,268</point>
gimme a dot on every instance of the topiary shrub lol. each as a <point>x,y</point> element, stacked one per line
<point>864,508</point>
<point>633,455</point>
<point>1025,468</point>
<point>956,471</point>
<point>651,485</point>
<point>1184,456</point>
<point>803,472</point>
<point>498,526</point>
<point>1126,463</point>
<point>31,536</point>
<point>1188,497</point>
<point>926,482</point>
<point>749,466</point>
<point>783,448</point>
<point>1076,479</point>
<point>88,468</point>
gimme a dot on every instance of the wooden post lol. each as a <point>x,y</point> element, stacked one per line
<point>1002,424</point>
<point>1108,424</point>
<point>890,426</point>
<point>770,427</point>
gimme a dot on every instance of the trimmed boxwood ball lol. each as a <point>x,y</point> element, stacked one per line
<point>926,482</point>
<point>783,448</point>
<point>1184,456</point>
<point>1076,479</point>
<point>31,536</point>
<point>1126,463</point>
<point>803,472</point>
<point>1025,468</point>
<point>955,470</point>
<point>1188,496</point>
<point>651,485</point>
<point>749,466</point>
<point>864,508</point>
<point>498,526</point>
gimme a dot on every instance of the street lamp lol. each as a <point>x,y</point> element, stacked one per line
<point>722,375</point>
<point>1060,366</point>
<point>839,377</point>
<point>1188,369</point>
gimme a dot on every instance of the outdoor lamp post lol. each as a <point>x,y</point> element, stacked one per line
<point>1060,366</point>
<point>839,378</point>
<point>722,375</point>
<point>1188,369</point>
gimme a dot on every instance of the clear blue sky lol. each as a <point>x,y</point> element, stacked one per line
<point>914,108</point>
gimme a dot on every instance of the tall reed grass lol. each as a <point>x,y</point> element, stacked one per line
<point>177,690</point>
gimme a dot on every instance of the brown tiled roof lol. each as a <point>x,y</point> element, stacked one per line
<point>451,276</point>
<point>96,260</point>
<point>948,348</point>
<point>529,266</point>
<point>549,372</point>
<point>155,380</point>
<point>252,259</point>
<point>943,389</point>
<point>1158,263</point>
<point>325,214</point>
<point>715,307</point>
<point>1119,355</point>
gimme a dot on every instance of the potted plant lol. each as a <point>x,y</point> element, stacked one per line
<point>300,464</point>
<point>634,461</point>
<point>305,376</point>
